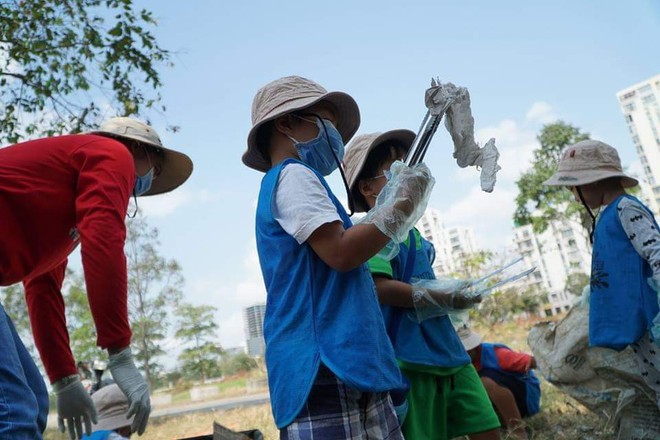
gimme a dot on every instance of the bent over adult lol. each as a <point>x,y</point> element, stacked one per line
<point>56,193</point>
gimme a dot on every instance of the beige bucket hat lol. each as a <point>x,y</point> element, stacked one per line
<point>358,151</point>
<point>587,162</point>
<point>177,167</point>
<point>469,338</point>
<point>286,95</point>
<point>112,406</point>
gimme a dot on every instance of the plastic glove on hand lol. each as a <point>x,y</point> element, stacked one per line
<point>134,387</point>
<point>459,300</point>
<point>413,185</point>
<point>74,407</point>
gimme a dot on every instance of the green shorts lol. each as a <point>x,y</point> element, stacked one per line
<point>446,402</point>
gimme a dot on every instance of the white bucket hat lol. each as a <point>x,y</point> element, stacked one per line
<point>176,168</point>
<point>112,406</point>
<point>286,95</point>
<point>358,151</point>
<point>587,162</point>
<point>469,338</point>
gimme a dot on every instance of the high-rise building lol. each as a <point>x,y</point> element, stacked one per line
<point>452,244</point>
<point>640,104</point>
<point>253,322</point>
<point>561,250</point>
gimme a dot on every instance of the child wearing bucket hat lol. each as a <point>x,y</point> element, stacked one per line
<point>625,265</point>
<point>508,378</point>
<point>56,193</point>
<point>112,407</point>
<point>446,398</point>
<point>330,363</point>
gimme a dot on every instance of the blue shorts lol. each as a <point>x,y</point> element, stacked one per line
<point>335,411</point>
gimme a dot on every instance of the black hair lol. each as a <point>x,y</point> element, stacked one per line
<point>263,139</point>
<point>378,157</point>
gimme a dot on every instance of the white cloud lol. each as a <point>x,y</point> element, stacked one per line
<point>541,112</point>
<point>491,215</point>
<point>230,299</point>
<point>164,204</point>
<point>488,214</point>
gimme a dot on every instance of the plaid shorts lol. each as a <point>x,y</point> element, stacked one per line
<point>335,411</point>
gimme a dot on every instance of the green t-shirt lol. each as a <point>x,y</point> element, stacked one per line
<point>379,265</point>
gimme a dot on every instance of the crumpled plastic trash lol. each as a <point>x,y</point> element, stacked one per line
<point>455,103</point>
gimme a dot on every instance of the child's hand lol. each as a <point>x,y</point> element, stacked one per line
<point>413,185</point>
<point>434,298</point>
<point>457,300</point>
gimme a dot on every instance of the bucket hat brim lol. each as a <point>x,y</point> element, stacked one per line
<point>348,121</point>
<point>359,150</point>
<point>585,177</point>
<point>589,161</point>
<point>469,339</point>
<point>176,167</point>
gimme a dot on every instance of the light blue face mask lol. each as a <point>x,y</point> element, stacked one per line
<point>323,153</point>
<point>143,183</point>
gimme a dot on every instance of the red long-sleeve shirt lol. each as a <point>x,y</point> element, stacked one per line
<point>55,192</point>
<point>507,359</point>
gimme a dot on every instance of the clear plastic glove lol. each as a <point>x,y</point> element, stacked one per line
<point>402,200</point>
<point>655,330</point>
<point>134,387</point>
<point>433,298</point>
<point>74,407</point>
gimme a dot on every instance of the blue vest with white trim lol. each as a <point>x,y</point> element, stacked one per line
<point>622,305</point>
<point>315,314</point>
<point>532,384</point>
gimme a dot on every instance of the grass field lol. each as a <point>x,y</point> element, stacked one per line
<point>561,418</point>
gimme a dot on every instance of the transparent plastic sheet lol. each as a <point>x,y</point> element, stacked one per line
<point>434,298</point>
<point>402,202</point>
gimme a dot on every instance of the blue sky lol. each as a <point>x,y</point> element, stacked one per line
<point>525,64</point>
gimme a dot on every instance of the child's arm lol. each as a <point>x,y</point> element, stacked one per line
<point>346,249</point>
<point>304,210</point>
<point>400,205</point>
<point>645,238</point>
<point>435,302</point>
<point>514,361</point>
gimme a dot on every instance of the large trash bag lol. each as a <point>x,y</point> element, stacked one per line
<point>605,381</point>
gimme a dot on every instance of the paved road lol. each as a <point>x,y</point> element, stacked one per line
<point>234,402</point>
<point>229,403</point>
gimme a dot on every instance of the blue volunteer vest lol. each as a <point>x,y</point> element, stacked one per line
<point>97,435</point>
<point>315,314</point>
<point>622,305</point>
<point>432,342</point>
<point>532,384</point>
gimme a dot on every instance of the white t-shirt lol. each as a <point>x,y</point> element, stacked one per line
<point>301,203</point>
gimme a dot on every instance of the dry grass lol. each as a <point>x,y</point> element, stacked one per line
<point>190,425</point>
<point>561,417</point>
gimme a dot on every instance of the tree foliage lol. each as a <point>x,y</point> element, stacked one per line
<point>12,299</point>
<point>80,324</point>
<point>504,305</point>
<point>576,282</point>
<point>237,364</point>
<point>538,204</point>
<point>63,62</point>
<point>197,326</point>
<point>154,288</point>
